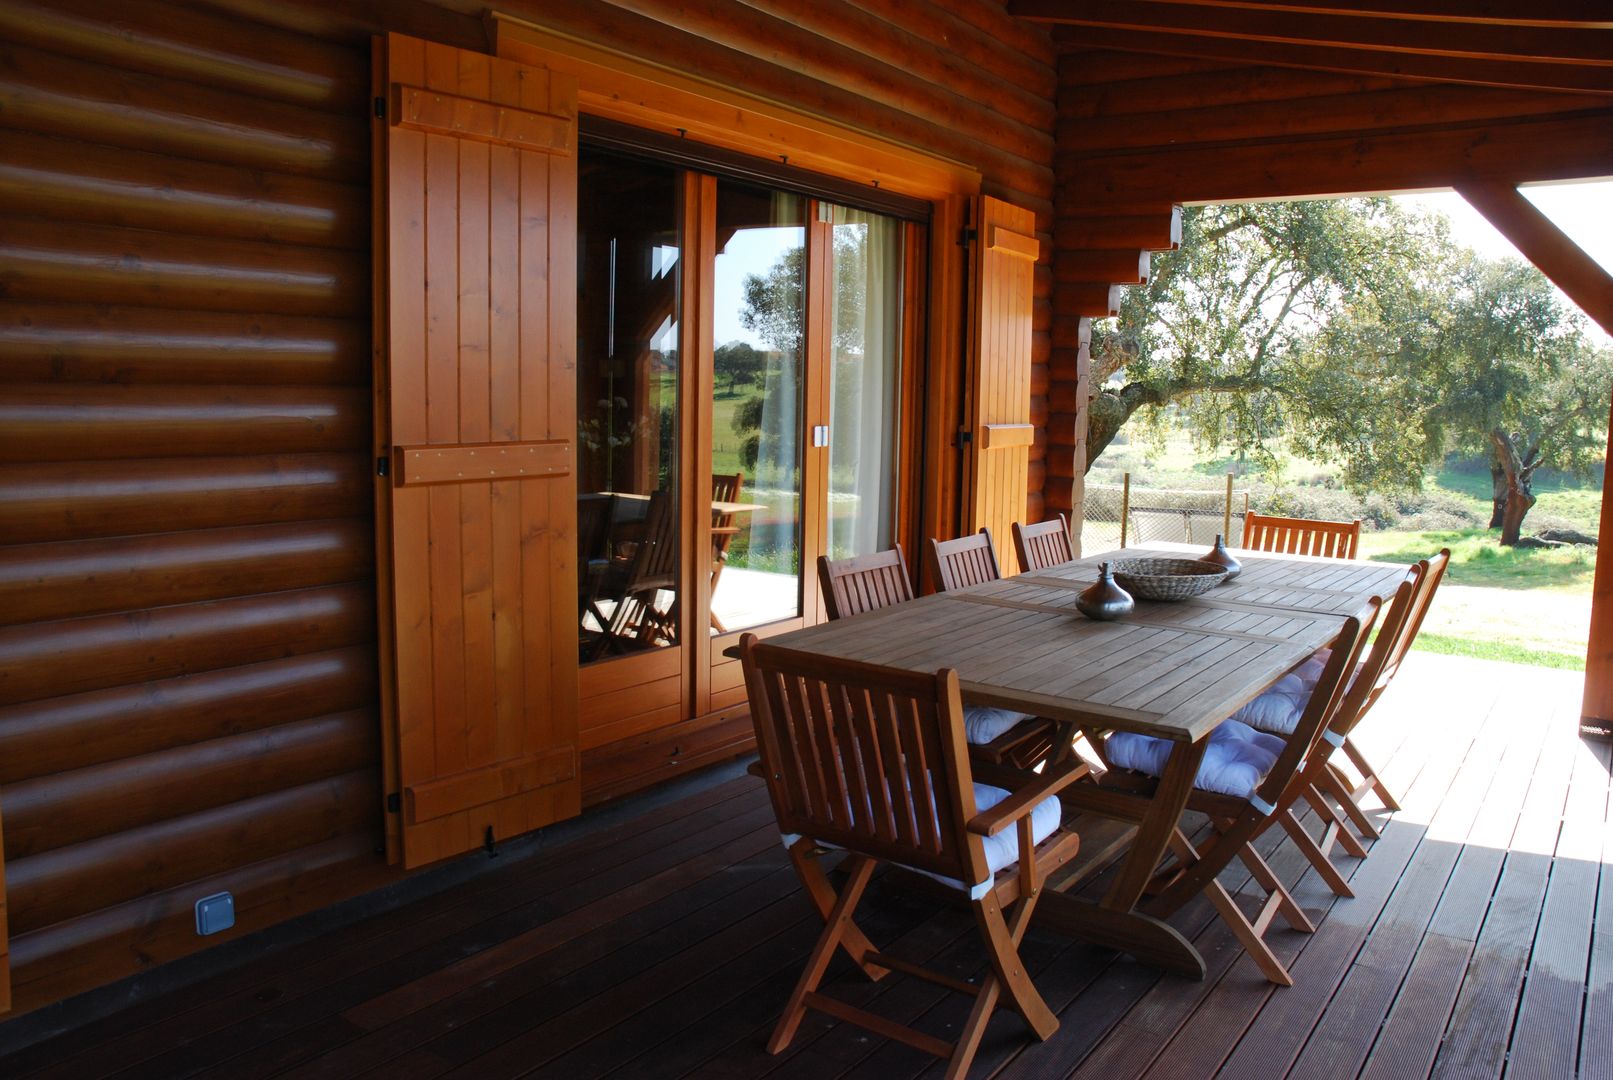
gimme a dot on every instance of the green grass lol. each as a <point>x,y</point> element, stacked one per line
<point>1477,559</point>
<point>1505,651</point>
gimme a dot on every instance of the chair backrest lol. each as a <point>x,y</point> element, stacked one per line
<point>725,487</point>
<point>868,758</point>
<point>593,525</point>
<point>968,560</point>
<point>655,563</point>
<point>1401,621</point>
<point>1325,701</point>
<point>864,582</point>
<point>1302,536</point>
<point>1042,545</point>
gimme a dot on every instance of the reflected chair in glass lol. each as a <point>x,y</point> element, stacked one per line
<point>639,620</point>
<point>871,762</point>
<point>725,488</point>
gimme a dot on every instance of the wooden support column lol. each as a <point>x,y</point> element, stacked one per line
<point>1591,287</point>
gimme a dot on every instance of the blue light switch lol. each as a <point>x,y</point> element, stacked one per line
<point>215,913</point>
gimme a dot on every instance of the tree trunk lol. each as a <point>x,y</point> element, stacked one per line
<point>1519,473</point>
<point>1498,492</point>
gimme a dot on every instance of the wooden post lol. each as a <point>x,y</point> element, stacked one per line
<point>1226,516</point>
<point>1125,504</point>
<point>1591,287</point>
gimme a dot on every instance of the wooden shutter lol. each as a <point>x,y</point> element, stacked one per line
<point>476,415</point>
<point>1002,279</point>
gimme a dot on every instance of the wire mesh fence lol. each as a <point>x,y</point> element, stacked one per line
<point>1192,517</point>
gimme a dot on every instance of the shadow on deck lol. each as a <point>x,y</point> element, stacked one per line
<point>664,946</point>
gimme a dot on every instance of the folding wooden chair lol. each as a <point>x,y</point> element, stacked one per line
<point>864,582</point>
<point>1395,637</point>
<point>1237,820</point>
<point>725,487</point>
<point>1302,536</point>
<point>1043,545</point>
<point>869,582</point>
<point>873,761</point>
<point>968,560</point>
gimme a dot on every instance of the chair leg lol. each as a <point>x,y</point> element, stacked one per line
<point>1335,784</point>
<point>1315,855</point>
<point>1287,906</point>
<point>1007,974</point>
<point>1369,774</point>
<point>839,919</point>
<point>1337,819</point>
<point>823,897</point>
<point>1266,960</point>
<point>1248,936</point>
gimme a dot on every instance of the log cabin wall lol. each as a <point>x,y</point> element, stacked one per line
<point>187,668</point>
<point>959,79</point>
<point>1138,134</point>
<point>187,625</point>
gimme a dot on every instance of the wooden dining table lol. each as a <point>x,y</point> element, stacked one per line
<point>1171,670</point>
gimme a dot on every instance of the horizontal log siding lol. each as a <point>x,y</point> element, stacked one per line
<point>187,605</point>
<point>1137,133</point>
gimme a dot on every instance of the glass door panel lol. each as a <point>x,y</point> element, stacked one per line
<point>864,355</point>
<point>628,311</point>
<point>759,331</point>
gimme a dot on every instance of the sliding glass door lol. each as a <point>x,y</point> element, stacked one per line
<point>741,363</point>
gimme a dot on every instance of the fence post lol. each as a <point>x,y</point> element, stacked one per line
<point>1125,504</point>
<point>1226,518</point>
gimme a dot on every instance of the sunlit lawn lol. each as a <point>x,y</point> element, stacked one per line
<point>1525,606</point>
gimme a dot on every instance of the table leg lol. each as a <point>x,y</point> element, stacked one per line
<point>1114,921</point>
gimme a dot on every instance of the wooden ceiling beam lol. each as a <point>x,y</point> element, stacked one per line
<point>1572,45</point>
<point>1577,14</point>
<point>1515,74</point>
<point>1552,251</point>
<point>1570,148</point>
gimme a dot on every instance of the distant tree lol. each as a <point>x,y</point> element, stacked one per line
<point>1233,330</point>
<point>1519,383</point>
<point>740,363</point>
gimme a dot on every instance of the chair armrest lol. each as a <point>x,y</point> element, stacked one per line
<point>1024,800</point>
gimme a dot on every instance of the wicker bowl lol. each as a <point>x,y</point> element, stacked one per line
<point>1167,579</point>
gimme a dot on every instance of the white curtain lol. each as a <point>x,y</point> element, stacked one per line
<point>865,350</point>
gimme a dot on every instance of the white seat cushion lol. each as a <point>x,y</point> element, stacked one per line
<point>1278,709</point>
<point>1002,849</point>
<point>1235,763</point>
<point>984,723</point>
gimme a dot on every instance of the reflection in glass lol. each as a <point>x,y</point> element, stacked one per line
<point>759,335</point>
<point>865,354</point>
<point>628,248</point>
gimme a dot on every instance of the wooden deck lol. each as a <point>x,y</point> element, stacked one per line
<point>664,946</point>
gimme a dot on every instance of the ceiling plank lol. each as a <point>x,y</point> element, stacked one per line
<point>1516,74</point>
<point>1577,14</point>
<point>1451,39</point>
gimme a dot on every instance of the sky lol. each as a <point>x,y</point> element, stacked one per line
<point>1582,210</point>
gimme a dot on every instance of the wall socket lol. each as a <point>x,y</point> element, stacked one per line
<point>215,913</point>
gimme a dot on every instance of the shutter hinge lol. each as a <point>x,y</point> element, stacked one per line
<point>394,803</point>
<point>381,466</point>
<point>380,108</point>
<point>968,236</point>
<point>487,844</point>
<point>962,438</point>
